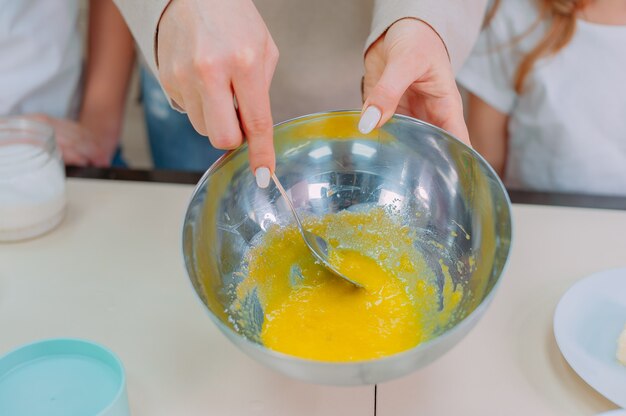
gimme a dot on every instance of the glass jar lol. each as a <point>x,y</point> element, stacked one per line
<point>32,179</point>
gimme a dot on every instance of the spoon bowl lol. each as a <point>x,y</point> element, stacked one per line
<point>316,244</point>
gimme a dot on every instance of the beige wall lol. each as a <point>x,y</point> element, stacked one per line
<point>321,46</point>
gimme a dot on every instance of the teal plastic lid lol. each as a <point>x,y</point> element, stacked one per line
<point>61,377</point>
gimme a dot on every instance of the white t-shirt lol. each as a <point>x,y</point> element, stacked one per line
<point>40,57</point>
<point>567,130</point>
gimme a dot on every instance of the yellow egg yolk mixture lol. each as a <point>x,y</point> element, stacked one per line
<point>310,313</point>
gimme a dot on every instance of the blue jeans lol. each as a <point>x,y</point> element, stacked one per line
<point>118,159</point>
<point>174,143</point>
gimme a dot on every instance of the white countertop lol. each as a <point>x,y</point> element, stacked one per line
<point>113,273</point>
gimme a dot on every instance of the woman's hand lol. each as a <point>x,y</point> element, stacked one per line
<point>225,51</point>
<point>407,70</point>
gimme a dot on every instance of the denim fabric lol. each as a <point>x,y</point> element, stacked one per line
<point>174,143</point>
<point>118,160</point>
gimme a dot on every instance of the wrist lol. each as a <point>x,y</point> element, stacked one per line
<point>422,27</point>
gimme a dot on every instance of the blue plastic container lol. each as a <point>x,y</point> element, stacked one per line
<point>62,377</point>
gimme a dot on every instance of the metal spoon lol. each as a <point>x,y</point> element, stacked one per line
<point>316,244</point>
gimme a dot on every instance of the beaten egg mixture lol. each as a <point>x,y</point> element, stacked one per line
<point>310,313</point>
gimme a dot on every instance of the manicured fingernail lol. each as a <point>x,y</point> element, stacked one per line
<point>262,177</point>
<point>369,119</point>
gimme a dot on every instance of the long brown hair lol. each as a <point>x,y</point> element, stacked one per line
<point>562,17</point>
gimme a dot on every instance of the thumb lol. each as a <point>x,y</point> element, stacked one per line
<point>381,103</point>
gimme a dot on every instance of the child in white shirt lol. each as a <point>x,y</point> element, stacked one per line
<point>41,64</point>
<point>41,67</point>
<point>547,94</point>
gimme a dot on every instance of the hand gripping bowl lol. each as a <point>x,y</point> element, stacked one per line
<point>447,192</point>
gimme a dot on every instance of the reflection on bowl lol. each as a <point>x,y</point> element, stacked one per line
<point>446,194</point>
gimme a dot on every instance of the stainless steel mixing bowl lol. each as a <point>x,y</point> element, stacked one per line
<point>450,196</point>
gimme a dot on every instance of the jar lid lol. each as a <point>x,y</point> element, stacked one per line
<point>60,377</point>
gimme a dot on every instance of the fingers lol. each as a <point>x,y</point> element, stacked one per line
<point>40,117</point>
<point>271,59</point>
<point>225,51</point>
<point>409,66</point>
<point>442,107</point>
<point>101,157</point>
<point>252,91</point>
<point>219,112</point>
<point>78,144</point>
<point>262,175</point>
<point>70,140</point>
<point>194,107</point>
<point>256,120</point>
<point>445,109</point>
<point>454,123</point>
<point>209,102</point>
<point>74,158</point>
<point>369,119</point>
<point>382,101</point>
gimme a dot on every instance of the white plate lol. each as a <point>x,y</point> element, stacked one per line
<point>587,323</point>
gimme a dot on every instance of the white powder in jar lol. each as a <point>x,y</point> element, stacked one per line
<point>32,191</point>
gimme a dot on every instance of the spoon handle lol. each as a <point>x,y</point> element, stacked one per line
<point>288,201</point>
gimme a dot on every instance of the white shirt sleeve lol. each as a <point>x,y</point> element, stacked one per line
<point>489,72</point>
<point>142,17</point>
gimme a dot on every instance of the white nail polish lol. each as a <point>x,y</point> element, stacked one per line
<point>369,119</point>
<point>262,175</point>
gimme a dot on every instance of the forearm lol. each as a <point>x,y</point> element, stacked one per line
<point>488,132</point>
<point>456,22</point>
<point>110,59</point>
